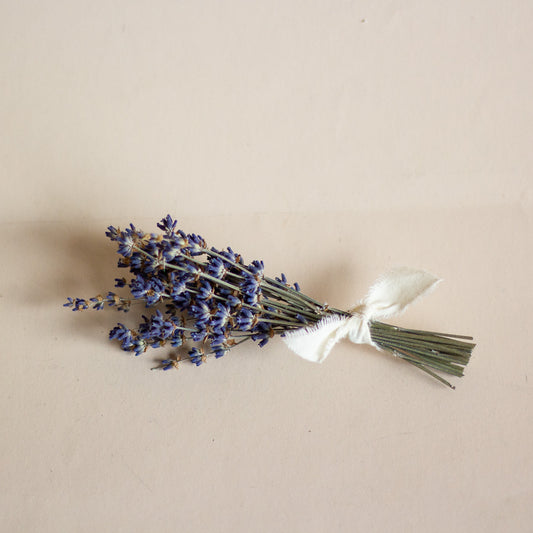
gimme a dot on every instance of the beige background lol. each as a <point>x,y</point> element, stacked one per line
<point>333,140</point>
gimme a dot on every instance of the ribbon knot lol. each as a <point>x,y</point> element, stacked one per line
<point>389,296</point>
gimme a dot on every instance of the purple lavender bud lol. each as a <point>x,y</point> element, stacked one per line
<point>199,335</point>
<point>177,339</point>
<point>206,291</point>
<point>216,267</point>
<point>112,233</point>
<point>195,356</point>
<point>200,312</point>
<point>139,346</point>
<point>98,303</point>
<point>168,224</point>
<point>245,319</point>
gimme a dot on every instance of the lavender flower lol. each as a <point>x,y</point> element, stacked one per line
<point>200,295</point>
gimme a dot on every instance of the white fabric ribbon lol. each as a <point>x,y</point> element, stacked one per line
<point>389,296</point>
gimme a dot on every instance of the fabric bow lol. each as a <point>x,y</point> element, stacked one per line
<point>389,296</point>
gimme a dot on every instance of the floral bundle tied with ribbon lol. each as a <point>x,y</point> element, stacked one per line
<point>206,301</point>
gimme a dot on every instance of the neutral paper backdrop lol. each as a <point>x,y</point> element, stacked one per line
<point>333,140</point>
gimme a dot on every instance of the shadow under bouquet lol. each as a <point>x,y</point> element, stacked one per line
<point>205,301</point>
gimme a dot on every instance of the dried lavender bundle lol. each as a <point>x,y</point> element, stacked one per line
<point>210,300</point>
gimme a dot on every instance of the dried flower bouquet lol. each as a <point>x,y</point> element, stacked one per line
<point>208,301</point>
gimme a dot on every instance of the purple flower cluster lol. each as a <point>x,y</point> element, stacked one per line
<point>201,295</point>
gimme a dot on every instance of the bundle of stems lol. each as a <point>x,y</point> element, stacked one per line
<point>429,351</point>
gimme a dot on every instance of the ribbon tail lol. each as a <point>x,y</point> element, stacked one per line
<point>393,292</point>
<point>316,342</point>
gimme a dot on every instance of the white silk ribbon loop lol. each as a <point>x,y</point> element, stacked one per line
<point>389,296</point>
